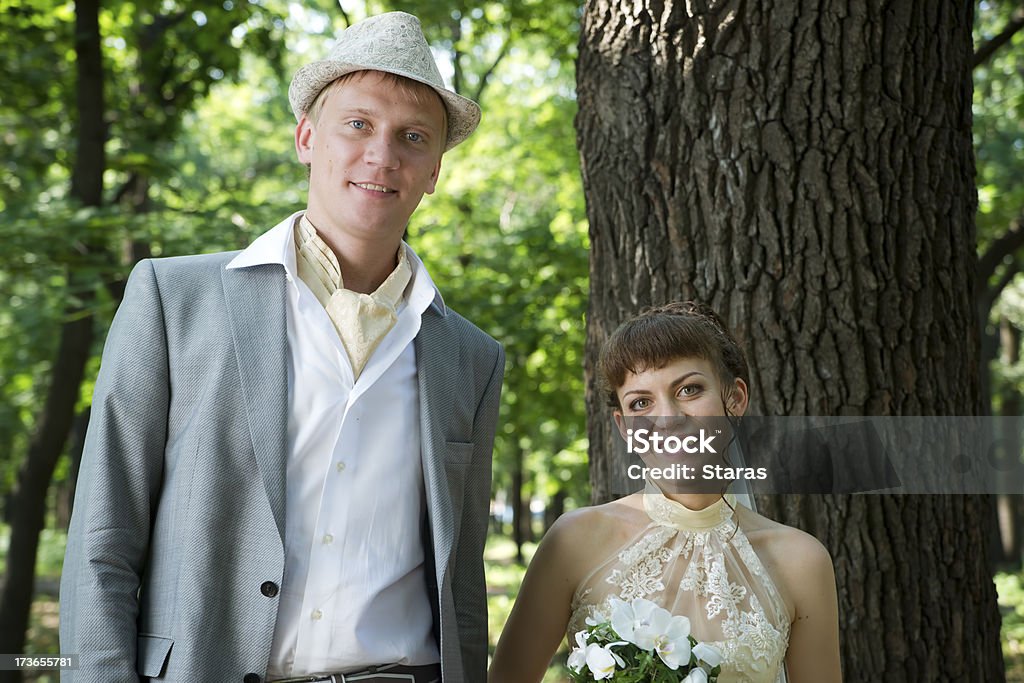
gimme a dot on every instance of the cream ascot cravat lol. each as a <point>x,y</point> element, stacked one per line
<point>361,320</point>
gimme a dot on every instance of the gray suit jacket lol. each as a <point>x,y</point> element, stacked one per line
<point>175,549</point>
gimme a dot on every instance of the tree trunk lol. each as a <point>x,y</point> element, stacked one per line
<point>555,508</point>
<point>28,509</point>
<point>807,170</point>
<point>29,499</point>
<point>65,493</point>
<point>1010,513</point>
<point>516,501</point>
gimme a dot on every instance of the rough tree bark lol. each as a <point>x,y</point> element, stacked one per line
<point>807,169</point>
<point>28,503</point>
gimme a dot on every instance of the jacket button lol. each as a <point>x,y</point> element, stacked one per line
<point>251,678</point>
<point>269,588</point>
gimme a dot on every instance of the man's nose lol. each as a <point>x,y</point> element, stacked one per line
<point>380,151</point>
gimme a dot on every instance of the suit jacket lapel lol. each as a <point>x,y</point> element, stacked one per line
<point>438,355</point>
<point>256,309</point>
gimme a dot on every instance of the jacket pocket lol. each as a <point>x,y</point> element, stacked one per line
<point>459,452</point>
<point>152,655</point>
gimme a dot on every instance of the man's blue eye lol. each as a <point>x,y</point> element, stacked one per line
<point>358,125</point>
<point>415,137</point>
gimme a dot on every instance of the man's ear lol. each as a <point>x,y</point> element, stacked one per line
<point>304,135</point>
<point>433,177</point>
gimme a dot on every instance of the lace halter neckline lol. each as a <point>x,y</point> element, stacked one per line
<point>699,564</point>
<point>664,511</point>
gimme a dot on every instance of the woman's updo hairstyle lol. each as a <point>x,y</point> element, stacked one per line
<point>662,334</point>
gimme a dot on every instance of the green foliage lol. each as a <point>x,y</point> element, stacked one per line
<point>998,130</point>
<point>159,59</point>
<point>1010,588</point>
<point>477,35</point>
<point>200,159</point>
<point>999,123</point>
<point>506,239</point>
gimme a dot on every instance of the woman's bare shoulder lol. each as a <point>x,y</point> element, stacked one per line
<point>780,538</point>
<point>594,531</point>
<point>794,558</point>
<point>621,514</point>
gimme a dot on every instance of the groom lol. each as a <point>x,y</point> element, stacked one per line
<point>287,472</point>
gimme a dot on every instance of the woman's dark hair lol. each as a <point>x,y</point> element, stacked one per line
<point>662,334</point>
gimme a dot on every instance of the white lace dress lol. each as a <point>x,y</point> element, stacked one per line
<point>698,563</point>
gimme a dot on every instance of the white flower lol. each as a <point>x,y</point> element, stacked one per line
<point>598,618</point>
<point>673,642</point>
<point>601,661</point>
<point>637,621</point>
<point>578,656</point>
<point>650,627</point>
<point>708,654</point>
<point>696,676</point>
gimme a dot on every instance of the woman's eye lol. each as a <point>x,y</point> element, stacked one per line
<point>690,390</point>
<point>640,404</point>
<point>358,125</point>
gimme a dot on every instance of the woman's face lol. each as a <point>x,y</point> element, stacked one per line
<point>683,401</point>
<point>683,387</point>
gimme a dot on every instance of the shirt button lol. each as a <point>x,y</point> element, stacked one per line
<point>317,615</point>
<point>269,589</point>
<point>328,539</point>
<point>340,466</point>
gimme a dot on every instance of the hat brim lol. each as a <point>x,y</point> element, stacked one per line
<point>308,81</point>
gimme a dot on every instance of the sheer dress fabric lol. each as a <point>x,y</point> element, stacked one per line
<point>700,564</point>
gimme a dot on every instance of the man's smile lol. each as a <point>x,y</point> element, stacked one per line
<point>373,187</point>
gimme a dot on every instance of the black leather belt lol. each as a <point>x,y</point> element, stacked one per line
<point>389,673</point>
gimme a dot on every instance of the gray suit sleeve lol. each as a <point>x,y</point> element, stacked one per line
<point>118,487</point>
<point>469,583</point>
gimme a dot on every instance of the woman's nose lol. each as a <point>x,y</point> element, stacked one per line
<point>671,415</point>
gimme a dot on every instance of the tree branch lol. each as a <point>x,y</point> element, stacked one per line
<point>149,36</point>
<point>344,15</point>
<point>1008,243</point>
<point>490,70</point>
<point>456,25</point>
<point>989,47</point>
<point>1005,279</point>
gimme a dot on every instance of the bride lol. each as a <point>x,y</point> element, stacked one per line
<point>761,593</point>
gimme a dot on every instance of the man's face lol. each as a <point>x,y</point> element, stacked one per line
<point>373,153</point>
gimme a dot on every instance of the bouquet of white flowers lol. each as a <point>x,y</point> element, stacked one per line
<point>642,643</point>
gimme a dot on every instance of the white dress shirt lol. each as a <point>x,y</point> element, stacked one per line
<point>354,591</point>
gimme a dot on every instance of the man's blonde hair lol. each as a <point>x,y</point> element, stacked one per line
<point>420,93</point>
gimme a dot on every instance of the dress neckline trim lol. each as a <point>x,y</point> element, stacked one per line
<point>666,512</point>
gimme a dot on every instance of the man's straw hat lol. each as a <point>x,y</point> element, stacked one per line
<point>394,43</point>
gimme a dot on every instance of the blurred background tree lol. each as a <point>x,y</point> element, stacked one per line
<point>999,147</point>
<point>165,129</point>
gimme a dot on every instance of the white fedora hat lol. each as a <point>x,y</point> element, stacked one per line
<point>391,42</point>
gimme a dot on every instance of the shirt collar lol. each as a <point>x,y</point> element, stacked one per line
<point>277,246</point>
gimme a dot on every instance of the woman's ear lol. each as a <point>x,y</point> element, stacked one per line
<point>739,398</point>
<point>620,423</point>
